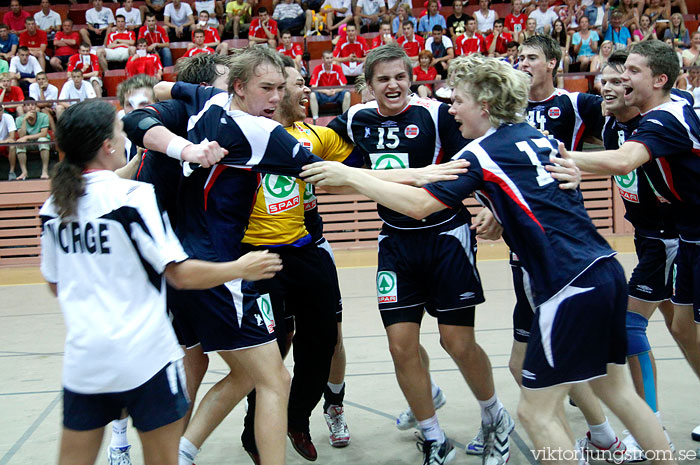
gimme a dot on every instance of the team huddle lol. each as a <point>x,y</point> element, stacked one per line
<point>221,230</point>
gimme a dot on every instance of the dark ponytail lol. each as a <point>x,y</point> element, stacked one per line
<point>80,132</point>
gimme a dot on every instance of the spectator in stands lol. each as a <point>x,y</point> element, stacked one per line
<point>198,46</point>
<point>679,6</point>
<point>157,39</point>
<point>515,21</point>
<point>457,21</point>
<point>560,35</point>
<point>131,15</point>
<point>485,18</point>
<point>431,19</point>
<point>35,40</point>
<point>66,44</point>
<point>42,90</point>
<point>290,16</point>
<point>646,31</point>
<point>585,43</point>
<point>15,18</point>
<point>4,66</point>
<point>215,10</point>
<point>119,46</point>
<point>350,51</point>
<point>7,135</point>
<point>404,15</point>
<point>513,52</point>
<point>98,20</point>
<point>179,18</point>
<point>263,29</point>
<point>530,29</point>
<point>384,37</point>
<point>32,126</point>
<point>211,35</point>
<point>597,16</point>
<point>497,41</point>
<point>10,94</point>
<point>471,41</point>
<point>392,9</point>
<point>618,34</point>
<point>660,14</point>
<point>74,88</point>
<point>89,65</point>
<point>292,50</point>
<point>678,32</point>
<point>691,56</point>
<point>411,42</point>
<point>598,61</point>
<point>48,20</point>
<point>424,72</point>
<point>8,43</point>
<point>238,16</point>
<point>338,12</point>
<point>327,74</point>
<point>544,16</point>
<point>24,68</point>
<point>369,13</point>
<point>144,62</point>
<point>153,6</point>
<point>442,49</point>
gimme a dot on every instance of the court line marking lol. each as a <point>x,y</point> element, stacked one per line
<point>27,434</point>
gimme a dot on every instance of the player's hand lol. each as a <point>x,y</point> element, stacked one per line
<point>435,173</point>
<point>486,225</point>
<point>326,173</point>
<point>564,169</point>
<point>204,154</point>
<point>259,265</point>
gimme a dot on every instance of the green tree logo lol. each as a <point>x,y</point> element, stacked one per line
<point>279,186</point>
<point>627,180</point>
<point>386,282</point>
<point>389,161</point>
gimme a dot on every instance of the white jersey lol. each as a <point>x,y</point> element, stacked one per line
<point>132,18</point>
<point>108,263</point>
<point>51,92</point>
<point>68,91</point>
<point>31,68</point>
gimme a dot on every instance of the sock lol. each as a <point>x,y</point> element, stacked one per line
<point>336,388</point>
<point>119,438</point>
<point>490,410</point>
<point>187,452</point>
<point>434,388</point>
<point>602,435</point>
<point>431,429</point>
<point>333,394</point>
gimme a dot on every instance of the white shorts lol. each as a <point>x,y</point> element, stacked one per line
<point>117,54</point>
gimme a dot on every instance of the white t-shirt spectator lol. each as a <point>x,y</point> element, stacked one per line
<point>133,17</point>
<point>210,7</point>
<point>485,23</point>
<point>44,22</point>
<point>32,66</point>
<point>446,42</point>
<point>339,4</point>
<point>102,18</point>
<point>68,91</point>
<point>544,19</point>
<point>370,7</point>
<point>7,125</point>
<point>178,17</point>
<point>51,92</point>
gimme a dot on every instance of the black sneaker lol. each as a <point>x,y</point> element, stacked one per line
<point>436,453</point>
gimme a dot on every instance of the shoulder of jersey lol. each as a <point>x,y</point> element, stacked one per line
<point>430,104</point>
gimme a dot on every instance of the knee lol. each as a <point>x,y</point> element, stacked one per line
<point>636,327</point>
<point>515,367</point>
<point>682,333</point>
<point>458,347</point>
<point>403,352</point>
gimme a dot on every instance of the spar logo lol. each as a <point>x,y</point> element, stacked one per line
<point>554,112</point>
<point>386,287</point>
<point>309,197</point>
<point>281,193</point>
<point>627,185</point>
<point>388,161</point>
<point>265,306</point>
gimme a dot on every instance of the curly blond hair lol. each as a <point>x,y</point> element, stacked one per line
<point>494,82</point>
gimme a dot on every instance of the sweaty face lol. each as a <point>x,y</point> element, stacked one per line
<point>264,90</point>
<point>534,64</point>
<point>613,90</point>
<point>390,85</point>
<point>296,96</point>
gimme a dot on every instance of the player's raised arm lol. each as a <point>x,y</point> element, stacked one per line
<point>618,162</point>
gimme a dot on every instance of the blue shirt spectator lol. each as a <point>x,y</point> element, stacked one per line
<point>585,50</point>
<point>8,43</point>
<point>432,18</point>
<point>396,24</point>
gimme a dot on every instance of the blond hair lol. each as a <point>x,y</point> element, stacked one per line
<point>493,82</point>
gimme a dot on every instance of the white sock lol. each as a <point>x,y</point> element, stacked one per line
<point>336,388</point>
<point>119,438</point>
<point>490,410</point>
<point>431,429</point>
<point>658,417</point>
<point>434,388</point>
<point>602,435</point>
<point>187,453</point>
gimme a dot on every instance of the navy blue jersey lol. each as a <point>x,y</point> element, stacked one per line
<point>568,116</point>
<point>677,94</point>
<point>650,215</point>
<point>671,134</point>
<point>423,133</point>
<point>547,227</point>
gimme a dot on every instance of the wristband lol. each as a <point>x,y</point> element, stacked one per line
<point>176,146</point>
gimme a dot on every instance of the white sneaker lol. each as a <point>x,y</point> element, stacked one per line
<point>476,445</point>
<point>335,419</point>
<point>634,450</point>
<point>406,420</point>
<point>118,455</point>
<point>695,434</point>
<point>436,453</point>
<point>496,440</point>
<point>617,452</point>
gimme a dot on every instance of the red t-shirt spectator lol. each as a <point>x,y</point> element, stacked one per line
<point>210,35</point>
<point>344,48</point>
<point>293,52</point>
<point>159,36</point>
<point>77,61</point>
<point>126,35</point>
<point>512,21</point>
<point>33,41</point>
<point>322,78</point>
<point>429,75</point>
<point>412,47</point>
<point>467,45</point>
<point>150,64</point>
<point>15,23</point>
<point>196,51</point>
<point>256,29</point>
<point>377,41</point>
<point>13,94</point>
<point>67,50</point>
<point>503,39</point>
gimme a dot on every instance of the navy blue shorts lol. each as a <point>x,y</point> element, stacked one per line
<point>523,313</point>
<point>232,316</point>
<point>432,269</point>
<point>686,288</point>
<point>579,331</point>
<point>323,98</point>
<point>652,278</point>
<point>158,402</point>
<point>328,259</point>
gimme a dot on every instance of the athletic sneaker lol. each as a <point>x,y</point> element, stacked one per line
<point>436,453</point>
<point>496,440</point>
<point>635,450</point>
<point>407,420</point>
<point>695,435</point>
<point>476,445</point>
<point>118,456</point>
<point>617,452</point>
<point>335,419</point>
